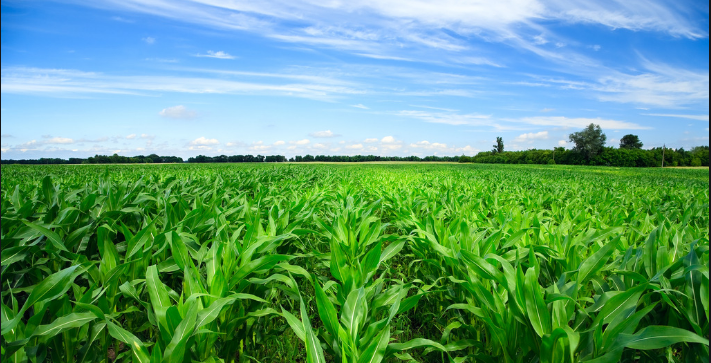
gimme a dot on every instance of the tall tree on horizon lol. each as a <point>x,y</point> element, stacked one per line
<point>589,141</point>
<point>630,141</point>
<point>499,147</point>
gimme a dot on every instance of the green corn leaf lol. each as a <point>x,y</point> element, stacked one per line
<point>51,288</point>
<point>296,325</point>
<point>535,305</point>
<point>326,310</point>
<point>353,312</point>
<point>656,337</point>
<point>138,350</point>
<point>594,263</point>
<point>175,351</point>
<point>375,352</point>
<point>58,326</point>
<point>51,236</point>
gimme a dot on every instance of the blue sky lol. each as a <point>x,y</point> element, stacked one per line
<point>401,77</point>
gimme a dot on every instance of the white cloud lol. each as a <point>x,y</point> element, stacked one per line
<point>539,40</point>
<point>447,118</point>
<point>29,143</point>
<point>301,142</point>
<point>429,145</point>
<point>219,55</point>
<point>661,85</point>
<point>370,141</point>
<point>476,61</point>
<point>562,143</point>
<point>203,141</point>
<point>147,136</point>
<point>411,29</point>
<point>690,117</point>
<point>548,110</point>
<point>130,137</point>
<point>278,143</point>
<point>59,140</point>
<point>581,122</point>
<point>123,20</point>
<point>67,83</point>
<point>360,106</point>
<point>178,112</point>
<point>388,140</point>
<point>259,147</point>
<point>162,60</point>
<point>596,47</point>
<point>354,146</point>
<point>149,40</point>
<point>530,137</point>
<point>323,134</point>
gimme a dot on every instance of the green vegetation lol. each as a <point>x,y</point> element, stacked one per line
<point>630,141</point>
<point>499,147</point>
<point>354,263</point>
<point>589,141</point>
<point>608,156</point>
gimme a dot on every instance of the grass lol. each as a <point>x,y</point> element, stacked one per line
<point>354,263</point>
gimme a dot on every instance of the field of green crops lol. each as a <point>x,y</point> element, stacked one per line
<point>354,264</point>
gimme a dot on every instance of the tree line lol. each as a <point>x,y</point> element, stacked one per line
<point>590,149</point>
<point>101,159</point>
<point>608,156</point>
<point>153,158</point>
<point>365,158</point>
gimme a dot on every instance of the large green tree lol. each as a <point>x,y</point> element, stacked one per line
<point>630,141</point>
<point>499,147</point>
<point>589,141</point>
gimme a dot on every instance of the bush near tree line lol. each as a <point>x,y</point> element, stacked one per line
<point>609,156</point>
<point>102,159</point>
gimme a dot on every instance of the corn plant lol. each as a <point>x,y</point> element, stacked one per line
<point>353,264</point>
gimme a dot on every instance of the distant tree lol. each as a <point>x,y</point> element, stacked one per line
<point>589,141</point>
<point>499,147</point>
<point>630,142</point>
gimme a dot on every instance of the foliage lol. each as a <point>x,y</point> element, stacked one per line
<point>609,156</point>
<point>589,141</point>
<point>367,158</point>
<point>101,159</point>
<point>499,147</point>
<point>630,141</point>
<point>354,263</point>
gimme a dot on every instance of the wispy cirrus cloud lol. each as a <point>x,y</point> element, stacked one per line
<point>219,55</point>
<point>449,118</point>
<point>69,83</point>
<point>375,27</point>
<point>690,117</point>
<point>178,112</point>
<point>324,134</point>
<point>579,122</point>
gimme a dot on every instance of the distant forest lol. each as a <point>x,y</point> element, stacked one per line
<point>609,156</point>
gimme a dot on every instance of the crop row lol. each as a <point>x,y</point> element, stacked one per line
<point>323,263</point>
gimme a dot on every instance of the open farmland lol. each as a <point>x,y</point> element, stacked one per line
<point>354,263</point>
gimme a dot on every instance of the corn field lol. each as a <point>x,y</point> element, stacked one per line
<point>354,264</point>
